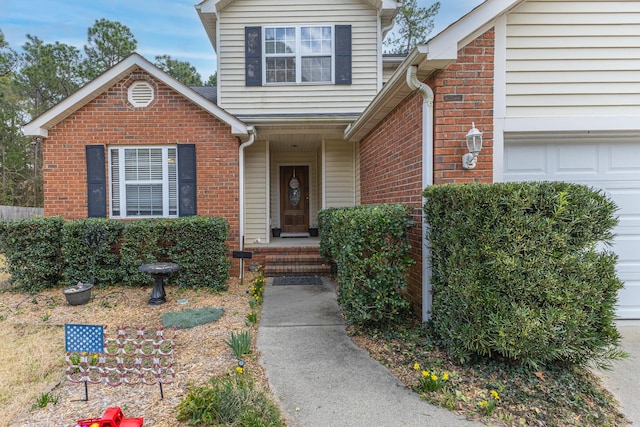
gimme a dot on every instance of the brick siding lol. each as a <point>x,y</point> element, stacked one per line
<point>170,119</point>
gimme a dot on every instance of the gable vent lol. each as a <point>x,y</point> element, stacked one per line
<point>140,94</point>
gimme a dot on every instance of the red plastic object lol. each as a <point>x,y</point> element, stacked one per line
<point>113,417</point>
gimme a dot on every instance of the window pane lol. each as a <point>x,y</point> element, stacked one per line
<point>280,40</point>
<point>316,69</point>
<point>143,163</point>
<point>144,199</point>
<point>316,40</point>
<point>281,70</point>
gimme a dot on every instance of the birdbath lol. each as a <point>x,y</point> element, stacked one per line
<point>159,270</point>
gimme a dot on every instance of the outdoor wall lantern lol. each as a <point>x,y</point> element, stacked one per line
<point>474,144</point>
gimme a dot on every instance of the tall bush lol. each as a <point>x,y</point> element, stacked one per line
<point>518,273</point>
<point>33,252</point>
<point>370,247</point>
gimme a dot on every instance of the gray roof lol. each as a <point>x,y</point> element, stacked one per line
<point>209,92</point>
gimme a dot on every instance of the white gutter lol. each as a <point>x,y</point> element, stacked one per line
<point>427,179</point>
<point>252,139</point>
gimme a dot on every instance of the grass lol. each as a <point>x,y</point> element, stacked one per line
<point>489,390</point>
<point>31,361</point>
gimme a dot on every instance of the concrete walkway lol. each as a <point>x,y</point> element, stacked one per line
<point>321,377</point>
<point>623,380</point>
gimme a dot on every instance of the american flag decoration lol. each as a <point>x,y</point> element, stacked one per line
<point>84,338</point>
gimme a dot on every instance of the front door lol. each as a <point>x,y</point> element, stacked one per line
<point>294,199</point>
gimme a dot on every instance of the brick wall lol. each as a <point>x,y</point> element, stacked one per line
<point>391,155</point>
<point>170,119</point>
<point>464,94</point>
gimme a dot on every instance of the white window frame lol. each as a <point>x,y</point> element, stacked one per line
<point>297,55</point>
<point>168,183</point>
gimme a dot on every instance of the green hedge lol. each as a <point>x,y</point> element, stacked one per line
<point>516,272</point>
<point>370,247</point>
<point>197,244</point>
<point>45,252</point>
<point>90,251</point>
<point>33,253</point>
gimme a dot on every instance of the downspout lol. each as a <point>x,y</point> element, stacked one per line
<point>252,138</point>
<point>427,179</point>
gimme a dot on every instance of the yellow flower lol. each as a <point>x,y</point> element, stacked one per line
<point>483,403</point>
<point>425,373</point>
<point>416,366</point>
<point>434,377</point>
<point>239,369</point>
<point>445,376</point>
<point>495,395</point>
<point>95,356</point>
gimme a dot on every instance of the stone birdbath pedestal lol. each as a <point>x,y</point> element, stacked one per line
<point>158,270</point>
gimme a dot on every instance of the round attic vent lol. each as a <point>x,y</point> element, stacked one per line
<point>140,94</point>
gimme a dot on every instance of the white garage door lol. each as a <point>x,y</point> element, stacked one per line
<point>611,164</point>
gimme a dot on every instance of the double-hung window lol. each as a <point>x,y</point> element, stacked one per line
<point>299,54</point>
<point>143,181</point>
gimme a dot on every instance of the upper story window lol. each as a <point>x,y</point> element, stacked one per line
<point>143,181</point>
<point>298,54</point>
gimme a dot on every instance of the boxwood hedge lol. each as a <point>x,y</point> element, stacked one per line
<point>46,252</point>
<point>370,247</point>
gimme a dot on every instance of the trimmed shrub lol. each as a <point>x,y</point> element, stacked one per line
<point>90,250</point>
<point>39,250</point>
<point>517,274</point>
<point>33,252</point>
<point>197,244</point>
<point>370,247</point>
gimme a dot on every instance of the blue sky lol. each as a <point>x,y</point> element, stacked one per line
<point>161,27</point>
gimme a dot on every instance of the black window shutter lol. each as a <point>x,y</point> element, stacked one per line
<point>187,179</point>
<point>253,56</point>
<point>343,54</point>
<point>96,182</point>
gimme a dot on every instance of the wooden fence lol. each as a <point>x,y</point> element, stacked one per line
<point>18,212</point>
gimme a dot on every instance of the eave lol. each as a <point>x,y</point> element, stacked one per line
<point>40,126</point>
<point>436,54</point>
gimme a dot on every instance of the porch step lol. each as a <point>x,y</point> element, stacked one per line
<point>296,265</point>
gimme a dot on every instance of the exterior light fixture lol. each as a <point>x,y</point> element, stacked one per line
<point>474,144</point>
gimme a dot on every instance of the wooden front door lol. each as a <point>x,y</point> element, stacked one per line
<point>294,199</point>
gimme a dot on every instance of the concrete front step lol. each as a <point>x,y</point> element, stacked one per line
<point>296,265</point>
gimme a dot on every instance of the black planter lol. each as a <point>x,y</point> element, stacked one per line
<point>313,232</point>
<point>276,232</point>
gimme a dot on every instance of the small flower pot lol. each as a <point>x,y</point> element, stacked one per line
<point>79,294</point>
<point>275,232</point>
<point>313,232</point>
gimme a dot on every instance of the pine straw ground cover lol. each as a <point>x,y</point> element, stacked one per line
<point>33,355</point>
<point>495,393</point>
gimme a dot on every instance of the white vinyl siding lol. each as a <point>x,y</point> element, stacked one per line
<point>573,59</point>
<point>239,99</point>
<point>339,174</point>
<point>256,190</point>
